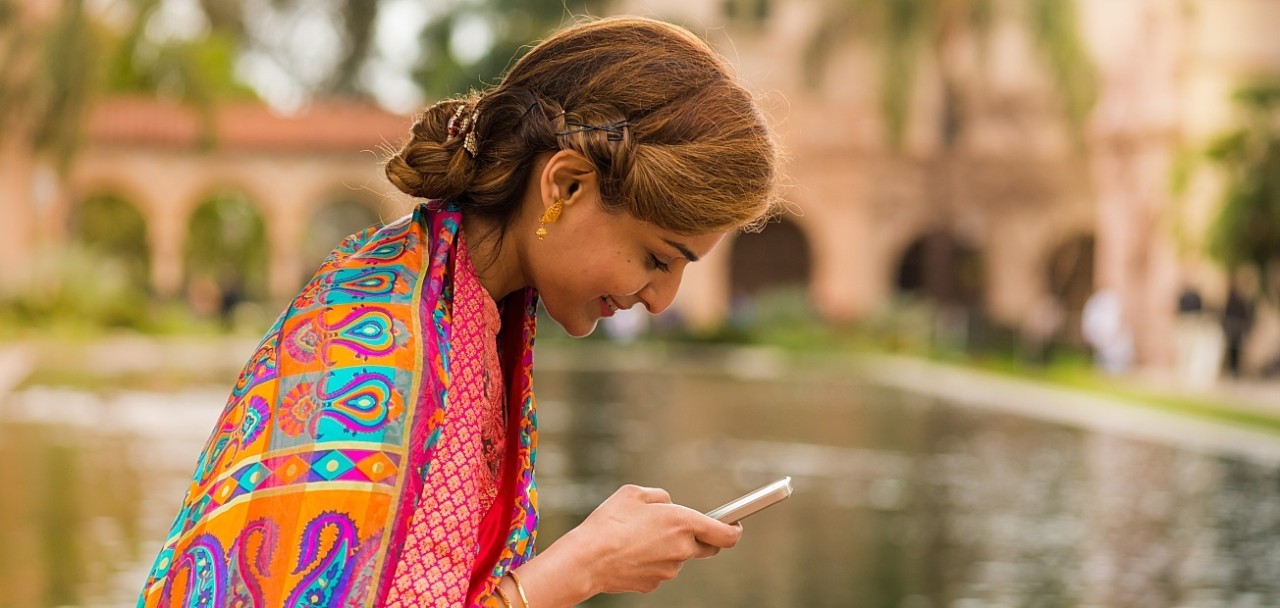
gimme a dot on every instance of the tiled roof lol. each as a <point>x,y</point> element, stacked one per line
<point>329,126</point>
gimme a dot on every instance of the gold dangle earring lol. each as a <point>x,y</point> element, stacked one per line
<point>549,217</point>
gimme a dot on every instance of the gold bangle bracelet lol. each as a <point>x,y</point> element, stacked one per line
<point>502,595</point>
<point>519,588</point>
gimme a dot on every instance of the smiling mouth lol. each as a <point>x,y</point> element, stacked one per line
<point>608,306</point>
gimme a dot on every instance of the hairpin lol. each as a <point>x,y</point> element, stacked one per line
<point>461,125</point>
<point>614,131</point>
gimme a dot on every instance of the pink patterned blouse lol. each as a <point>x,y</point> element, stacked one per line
<point>463,486</point>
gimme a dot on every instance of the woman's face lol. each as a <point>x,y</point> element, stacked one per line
<point>593,263</point>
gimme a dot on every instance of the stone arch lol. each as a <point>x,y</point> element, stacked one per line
<point>333,220</point>
<point>940,267</point>
<point>113,229</point>
<point>775,261</point>
<point>947,273</point>
<point>120,185</point>
<point>232,185</point>
<point>1069,279</point>
<point>116,186</point>
<point>225,252</point>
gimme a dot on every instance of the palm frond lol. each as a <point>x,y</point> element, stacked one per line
<point>70,60</point>
<point>1246,231</point>
<point>904,28</point>
<point>836,26</point>
<point>1055,30</point>
<point>909,25</point>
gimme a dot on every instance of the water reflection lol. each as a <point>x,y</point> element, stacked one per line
<point>901,501</point>
<point>90,481</point>
<point>905,501</point>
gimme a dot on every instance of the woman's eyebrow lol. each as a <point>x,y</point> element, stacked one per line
<point>684,250</point>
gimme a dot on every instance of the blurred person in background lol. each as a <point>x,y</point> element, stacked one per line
<point>1237,321</point>
<point>1105,329</point>
<point>1198,341</point>
<point>378,449</point>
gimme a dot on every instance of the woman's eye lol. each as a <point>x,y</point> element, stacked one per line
<point>653,259</point>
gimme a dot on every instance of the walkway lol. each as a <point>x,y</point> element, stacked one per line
<point>981,389</point>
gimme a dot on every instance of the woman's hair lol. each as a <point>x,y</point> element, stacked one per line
<point>675,139</point>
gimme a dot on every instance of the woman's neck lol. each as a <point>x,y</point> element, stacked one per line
<point>496,260</point>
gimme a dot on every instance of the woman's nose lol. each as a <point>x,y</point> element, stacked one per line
<point>661,292</point>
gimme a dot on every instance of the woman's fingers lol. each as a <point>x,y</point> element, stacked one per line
<point>709,531</point>
<point>705,551</point>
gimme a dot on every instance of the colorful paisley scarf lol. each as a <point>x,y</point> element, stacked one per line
<point>305,492</point>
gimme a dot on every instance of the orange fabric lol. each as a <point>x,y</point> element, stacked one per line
<point>308,487</point>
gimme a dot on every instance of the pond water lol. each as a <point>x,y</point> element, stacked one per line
<point>900,501</point>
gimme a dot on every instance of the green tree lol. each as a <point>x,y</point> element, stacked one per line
<point>904,30</point>
<point>271,32</point>
<point>357,27</point>
<point>52,70</point>
<point>494,33</point>
<point>47,72</point>
<point>1246,232</point>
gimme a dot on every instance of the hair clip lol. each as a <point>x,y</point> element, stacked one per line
<point>461,125</point>
<point>615,131</point>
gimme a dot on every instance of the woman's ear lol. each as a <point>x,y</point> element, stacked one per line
<point>568,177</point>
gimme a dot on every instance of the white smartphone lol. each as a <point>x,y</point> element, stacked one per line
<point>753,502</point>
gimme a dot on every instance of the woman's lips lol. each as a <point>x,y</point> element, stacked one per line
<point>607,307</point>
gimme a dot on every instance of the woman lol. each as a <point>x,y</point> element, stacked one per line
<point>378,449</point>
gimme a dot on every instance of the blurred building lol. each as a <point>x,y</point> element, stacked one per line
<point>996,207</point>
<point>1015,207</point>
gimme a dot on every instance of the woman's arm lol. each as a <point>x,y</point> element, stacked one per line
<point>633,541</point>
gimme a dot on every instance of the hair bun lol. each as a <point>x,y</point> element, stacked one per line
<point>432,164</point>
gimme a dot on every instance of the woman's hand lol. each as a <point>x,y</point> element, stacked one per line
<point>638,539</point>
<point>633,541</point>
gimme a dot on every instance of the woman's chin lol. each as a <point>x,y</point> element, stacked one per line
<point>578,328</point>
